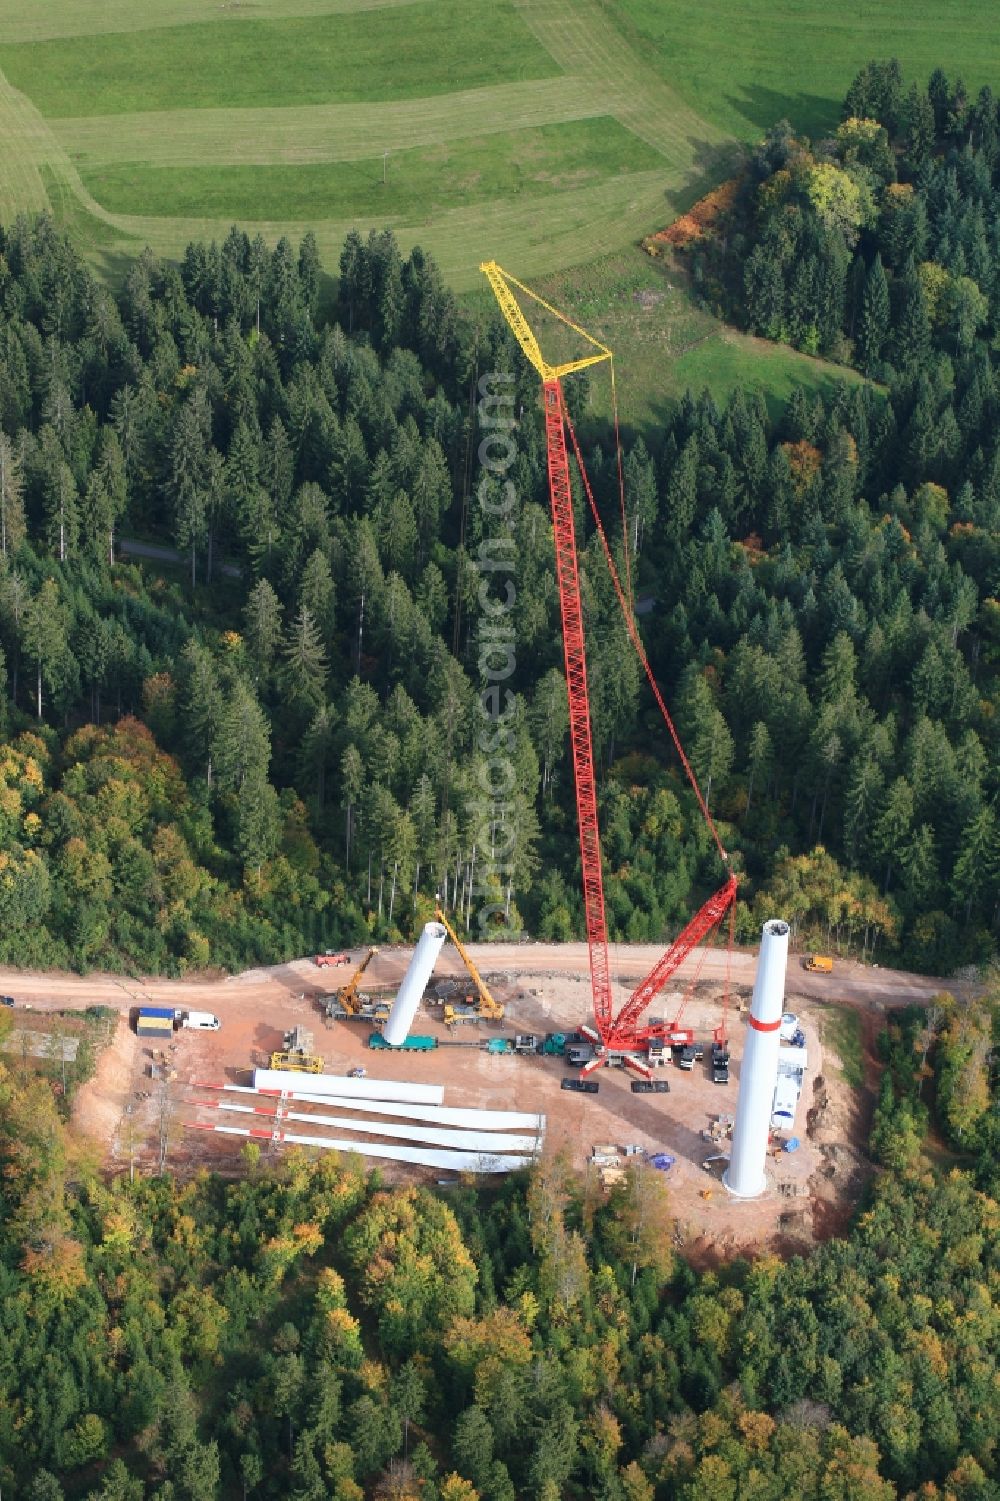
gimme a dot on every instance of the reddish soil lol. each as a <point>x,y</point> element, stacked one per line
<point>134,1119</point>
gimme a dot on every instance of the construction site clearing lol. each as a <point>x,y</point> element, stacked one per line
<point>148,1106</point>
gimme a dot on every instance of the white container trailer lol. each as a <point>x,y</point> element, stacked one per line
<point>785,1104</point>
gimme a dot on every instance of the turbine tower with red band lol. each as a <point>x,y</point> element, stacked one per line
<point>759,1026</point>
<point>625,1031</point>
<point>745,1176</point>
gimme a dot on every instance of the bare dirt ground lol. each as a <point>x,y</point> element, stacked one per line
<point>140,1122</point>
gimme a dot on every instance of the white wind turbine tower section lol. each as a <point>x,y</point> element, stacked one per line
<point>404,1007</point>
<point>745,1176</point>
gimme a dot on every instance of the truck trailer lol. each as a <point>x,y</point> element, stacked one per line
<point>155,1021</point>
<point>411,1044</point>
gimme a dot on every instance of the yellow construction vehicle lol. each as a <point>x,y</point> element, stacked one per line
<point>489,1009</point>
<point>297,1063</point>
<point>347,1001</point>
<point>297,1057</point>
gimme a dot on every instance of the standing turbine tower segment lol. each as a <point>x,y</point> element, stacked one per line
<point>625,1032</point>
<point>408,997</point>
<point>745,1176</point>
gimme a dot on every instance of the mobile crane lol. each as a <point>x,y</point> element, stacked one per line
<point>622,1036</point>
<point>346,1001</point>
<point>488,1008</point>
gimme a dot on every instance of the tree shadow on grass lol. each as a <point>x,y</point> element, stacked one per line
<point>711,163</point>
<point>815,115</point>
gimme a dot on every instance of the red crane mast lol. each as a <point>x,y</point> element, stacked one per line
<point>625,1031</point>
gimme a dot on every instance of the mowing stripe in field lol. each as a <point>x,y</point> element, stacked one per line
<point>319,133</point>
<point>537,234</point>
<point>580,38</point>
<point>423,180</point>
<point>32,161</point>
<point>46,19</point>
<point>22,190</point>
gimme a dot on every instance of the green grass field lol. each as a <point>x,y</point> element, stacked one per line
<point>547,134</point>
<point>797,60</point>
<point>841,1031</point>
<point>102,106</point>
<point>663,344</point>
<point>419,182</point>
<point>402,52</point>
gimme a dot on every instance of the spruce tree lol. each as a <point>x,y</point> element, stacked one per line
<point>874,325</point>
<point>682,493</point>
<point>911,335</point>
<point>11,498</point>
<point>305,667</point>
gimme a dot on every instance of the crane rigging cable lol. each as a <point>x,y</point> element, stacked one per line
<point>621,485</point>
<point>636,640</point>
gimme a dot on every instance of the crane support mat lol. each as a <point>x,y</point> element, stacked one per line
<point>650,1086</point>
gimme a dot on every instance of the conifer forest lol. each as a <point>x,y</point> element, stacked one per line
<point>241,542</point>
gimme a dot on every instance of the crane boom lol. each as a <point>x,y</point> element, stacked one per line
<point>348,994</point>
<point>704,920</point>
<point>574,653</point>
<point>489,1007</point>
<point>501,282</point>
<point>623,1031</point>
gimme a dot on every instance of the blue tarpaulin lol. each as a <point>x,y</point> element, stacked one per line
<point>663,1161</point>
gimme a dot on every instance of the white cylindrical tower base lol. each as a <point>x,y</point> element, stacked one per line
<point>745,1176</point>
<point>404,1007</point>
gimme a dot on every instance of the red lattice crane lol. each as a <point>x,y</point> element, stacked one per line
<point>625,1032</point>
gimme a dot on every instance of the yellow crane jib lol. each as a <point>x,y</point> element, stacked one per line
<point>348,994</point>
<point>489,1008</point>
<point>502,283</point>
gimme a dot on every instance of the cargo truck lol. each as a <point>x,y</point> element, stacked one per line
<point>155,1021</point>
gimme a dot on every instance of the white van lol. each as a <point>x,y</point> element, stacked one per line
<point>202,1021</point>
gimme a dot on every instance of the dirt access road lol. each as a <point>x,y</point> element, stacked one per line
<point>864,986</point>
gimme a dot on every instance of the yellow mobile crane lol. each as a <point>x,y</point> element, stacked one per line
<point>490,1010</point>
<point>346,1001</point>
